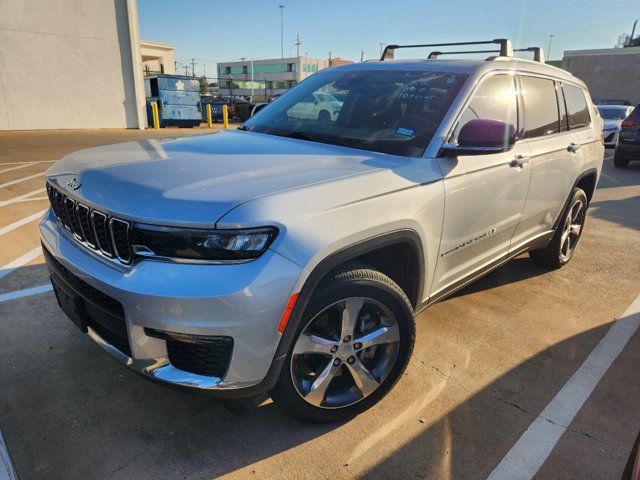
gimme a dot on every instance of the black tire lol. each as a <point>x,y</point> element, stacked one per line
<point>350,284</point>
<point>620,162</point>
<point>563,244</point>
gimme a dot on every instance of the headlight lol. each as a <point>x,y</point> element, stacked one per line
<point>200,244</point>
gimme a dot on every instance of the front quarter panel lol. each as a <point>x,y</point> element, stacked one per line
<point>322,219</point>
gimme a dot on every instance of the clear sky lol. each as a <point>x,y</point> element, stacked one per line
<point>215,30</point>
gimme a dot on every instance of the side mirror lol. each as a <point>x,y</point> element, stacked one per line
<point>481,137</point>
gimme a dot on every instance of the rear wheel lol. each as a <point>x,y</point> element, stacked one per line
<point>565,240</point>
<point>620,162</point>
<point>352,345</point>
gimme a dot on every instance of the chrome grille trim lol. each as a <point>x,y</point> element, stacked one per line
<point>100,225</point>
<point>123,253</point>
<point>93,229</point>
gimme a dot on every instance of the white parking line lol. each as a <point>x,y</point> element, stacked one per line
<point>7,471</point>
<point>30,161</point>
<point>20,198</point>
<point>23,179</point>
<point>21,222</point>
<point>17,167</point>
<point>19,262</point>
<point>536,444</point>
<point>26,292</point>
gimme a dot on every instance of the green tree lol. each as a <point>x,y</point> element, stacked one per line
<point>203,85</point>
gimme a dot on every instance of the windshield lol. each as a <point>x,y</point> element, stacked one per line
<point>394,112</point>
<point>613,113</point>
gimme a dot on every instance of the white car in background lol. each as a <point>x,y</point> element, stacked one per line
<point>613,115</point>
<point>319,106</point>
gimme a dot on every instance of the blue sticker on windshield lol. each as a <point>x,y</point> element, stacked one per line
<point>407,132</point>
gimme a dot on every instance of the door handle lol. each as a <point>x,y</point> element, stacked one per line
<point>519,161</point>
<point>573,147</point>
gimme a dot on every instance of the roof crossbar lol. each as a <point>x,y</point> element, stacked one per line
<point>506,48</point>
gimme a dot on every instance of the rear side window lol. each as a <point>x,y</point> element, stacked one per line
<point>576,107</point>
<point>540,107</point>
<point>495,99</point>
<point>635,114</point>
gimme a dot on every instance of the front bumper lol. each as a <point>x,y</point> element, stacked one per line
<point>241,301</point>
<point>610,137</point>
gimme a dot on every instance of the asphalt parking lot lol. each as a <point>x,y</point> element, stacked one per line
<point>489,363</point>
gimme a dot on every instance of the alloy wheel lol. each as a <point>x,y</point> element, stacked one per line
<point>345,352</point>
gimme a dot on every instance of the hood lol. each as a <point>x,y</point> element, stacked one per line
<point>196,180</point>
<point>612,124</point>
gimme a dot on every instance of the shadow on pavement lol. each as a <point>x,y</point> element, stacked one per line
<point>470,441</point>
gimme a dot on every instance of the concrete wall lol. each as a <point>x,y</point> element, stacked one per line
<point>612,73</point>
<point>68,64</point>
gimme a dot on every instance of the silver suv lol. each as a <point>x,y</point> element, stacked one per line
<point>290,256</point>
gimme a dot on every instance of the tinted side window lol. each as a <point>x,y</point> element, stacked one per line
<point>495,99</point>
<point>540,107</point>
<point>576,106</point>
<point>635,114</point>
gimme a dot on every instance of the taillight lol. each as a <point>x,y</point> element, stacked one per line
<point>631,123</point>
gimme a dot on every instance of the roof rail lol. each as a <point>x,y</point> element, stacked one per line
<point>538,53</point>
<point>506,48</point>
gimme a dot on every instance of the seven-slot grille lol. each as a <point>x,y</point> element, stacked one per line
<point>94,229</point>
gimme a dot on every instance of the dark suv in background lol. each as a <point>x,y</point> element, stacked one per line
<point>628,147</point>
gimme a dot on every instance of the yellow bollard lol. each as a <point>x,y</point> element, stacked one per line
<point>209,120</point>
<point>225,116</point>
<point>156,117</point>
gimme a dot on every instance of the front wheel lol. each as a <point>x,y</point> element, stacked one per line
<point>565,240</point>
<point>352,345</point>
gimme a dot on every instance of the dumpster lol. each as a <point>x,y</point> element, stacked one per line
<point>178,99</point>
<point>216,109</point>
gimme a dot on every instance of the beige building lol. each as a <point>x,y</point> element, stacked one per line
<point>611,73</point>
<point>158,57</point>
<point>70,64</point>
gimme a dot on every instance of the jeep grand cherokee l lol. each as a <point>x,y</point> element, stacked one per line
<point>291,256</point>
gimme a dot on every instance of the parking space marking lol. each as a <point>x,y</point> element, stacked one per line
<point>7,472</point>
<point>20,180</point>
<point>535,445</point>
<point>17,167</point>
<point>21,222</point>
<point>30,161</point>
<point>20,198</point>
<point>26,292</point>
<point>19,262</point>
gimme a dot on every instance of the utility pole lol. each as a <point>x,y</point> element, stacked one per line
<point>281,7</point>
<point>329,58</point>
<point>298,45</point>
<point>193,67</point>
<point>549,49</point>
<point>381,45</point>
<point>361,56</point>
<point>186,70</point>
<point>175,66</point>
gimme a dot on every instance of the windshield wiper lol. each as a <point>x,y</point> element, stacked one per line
<point>244,128</point>
<point>299,135</point>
